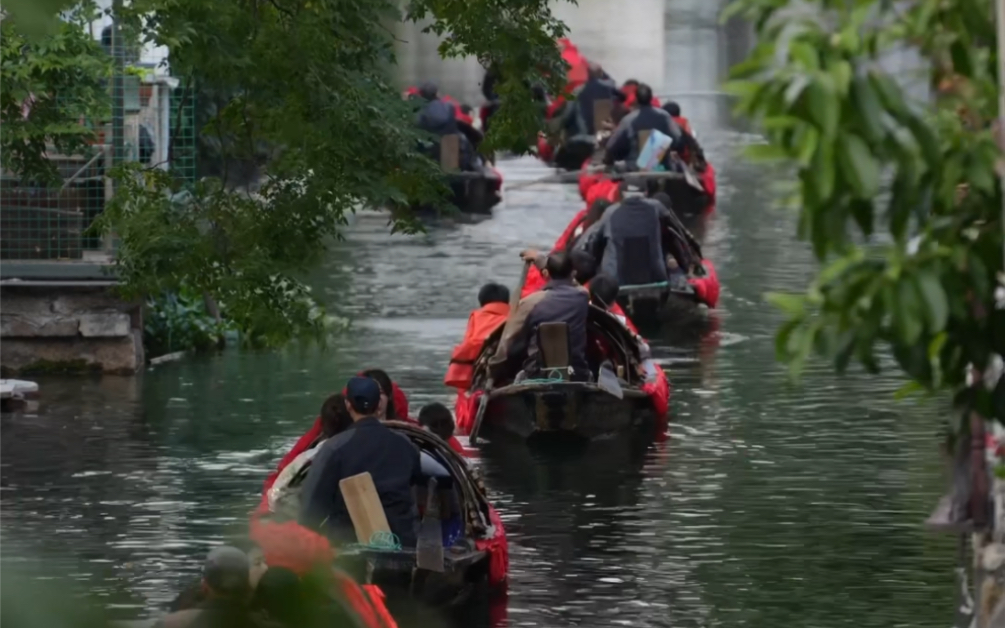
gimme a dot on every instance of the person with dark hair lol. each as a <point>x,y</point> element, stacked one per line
<point>604,294</point>
<point>368,446</point>
<point>482,323</point>
<point>436,418</point>
<point>674,110</point>
<point>604,291</point>
<point>561,300</point>
<point>334,418</point>
<point>386,392</point>
<point>584,265</point>
<point>493,292</point>
<point>624,142</point>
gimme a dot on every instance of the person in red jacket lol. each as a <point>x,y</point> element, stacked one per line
<point>494,301</point>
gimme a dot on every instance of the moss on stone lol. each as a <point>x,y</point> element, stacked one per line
<point>59,367</point>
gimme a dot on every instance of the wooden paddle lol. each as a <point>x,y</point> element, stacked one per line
<point>483,403</point>
<point>572,177</point>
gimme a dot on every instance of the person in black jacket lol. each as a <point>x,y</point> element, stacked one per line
<point>438,118</point>
<point>368,446</point>
<point>578,116</point>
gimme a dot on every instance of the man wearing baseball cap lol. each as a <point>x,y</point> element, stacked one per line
<point>226,587</point>
<point>367,446</point>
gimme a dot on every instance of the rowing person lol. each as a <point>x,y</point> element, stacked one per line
<point>624,143</point>
<point>439,118</point>
<point>561,300</point>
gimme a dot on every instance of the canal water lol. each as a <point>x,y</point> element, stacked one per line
<point>768,503</point>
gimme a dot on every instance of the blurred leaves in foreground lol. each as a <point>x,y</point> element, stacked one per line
<point>897,192</point>
<point>31,603</point>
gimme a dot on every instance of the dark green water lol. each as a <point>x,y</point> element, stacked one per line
<point>767,505</point>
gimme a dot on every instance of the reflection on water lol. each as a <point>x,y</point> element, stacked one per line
<point>765,504</point>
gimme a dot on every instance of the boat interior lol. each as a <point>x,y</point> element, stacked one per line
<point>612,351</point>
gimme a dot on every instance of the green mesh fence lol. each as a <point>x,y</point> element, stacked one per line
<point>151,122</point>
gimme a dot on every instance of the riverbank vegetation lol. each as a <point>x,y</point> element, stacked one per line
<point>899,197</point>
<point>302,90</point>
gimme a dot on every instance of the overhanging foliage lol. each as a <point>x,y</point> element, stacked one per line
<point>302,87</point>
<point>900,199</point>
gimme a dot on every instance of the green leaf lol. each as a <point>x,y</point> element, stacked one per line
<point>765,152</point>
<point>821,171</point>
<point>906,312</point>
<point>794,305</point>
<point>868,108</point>
<point>805,55</point>
<point>795,88</point>
<point>841,72</point>
<point>823,107</point>
<point>936,302</point>
<point>908,389</point>
<point>860,169</point>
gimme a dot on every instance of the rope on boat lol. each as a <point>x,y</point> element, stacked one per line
<point>380,540</point>
<point>545,380</point>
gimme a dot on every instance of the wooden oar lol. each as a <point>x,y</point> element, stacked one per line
<point>483,403</point>
<point>572,177</point>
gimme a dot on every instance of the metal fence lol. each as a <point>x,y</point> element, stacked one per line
<point>151,123</point>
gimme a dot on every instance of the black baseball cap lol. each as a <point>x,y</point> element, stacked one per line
<point>363,394</point>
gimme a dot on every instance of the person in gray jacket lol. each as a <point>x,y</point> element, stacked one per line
<point>629,241</point>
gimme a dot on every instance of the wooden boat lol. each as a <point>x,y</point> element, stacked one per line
<point>472,192</point>
<point>533,409</point>
<point>460,513</point>
<point>692,193</point>
<point>651,305</point>
<point>475,192</point>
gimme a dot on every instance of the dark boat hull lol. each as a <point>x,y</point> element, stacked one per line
<point>650,307</point>
<point>565,409</point>
<point>471,193</point>
<point>687,202</point>
<point>395,572</point>
<point>571,155</point>
<point>474,194</point>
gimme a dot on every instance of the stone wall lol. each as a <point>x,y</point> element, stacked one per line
<point>69,328</point>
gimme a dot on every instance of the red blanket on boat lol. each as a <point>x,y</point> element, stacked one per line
<point>707,287</point>
<point>707,179</point>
